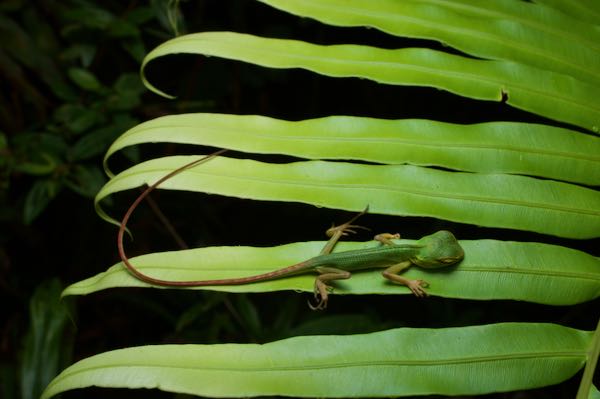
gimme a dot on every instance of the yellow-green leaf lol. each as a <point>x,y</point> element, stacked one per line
<point>494,200</point>
<point>507,30</point>
<point>554,95</point>
<point>401,362</point>
<point>491,269</point>
<point>500,147</point>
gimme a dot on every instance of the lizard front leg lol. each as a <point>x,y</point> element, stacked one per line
<point>386,238</point>
<point>416,286</point>
<point>322,289</point>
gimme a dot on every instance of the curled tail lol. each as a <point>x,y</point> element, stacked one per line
<point>123,227</point>
<point>193,283</point>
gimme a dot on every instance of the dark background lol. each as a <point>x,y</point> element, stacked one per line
<point>50,232</point>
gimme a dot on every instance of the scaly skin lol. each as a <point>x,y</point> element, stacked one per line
<point>439,249</point>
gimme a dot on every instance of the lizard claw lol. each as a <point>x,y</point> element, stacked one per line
<point>344,229</point>
<point>348,227</point>
<point>321,304</point>
<point>416,286</point>
<point>321,296</point>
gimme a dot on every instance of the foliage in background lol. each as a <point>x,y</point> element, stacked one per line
<point>68,240</point>
<point>69,85</point>
<point>46,347</point>
<point>547,82</point>
<point>49,341</point>
<point>59,108</point>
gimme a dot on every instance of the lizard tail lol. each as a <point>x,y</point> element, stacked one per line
<point>226,281</point>
<point>194,283</point>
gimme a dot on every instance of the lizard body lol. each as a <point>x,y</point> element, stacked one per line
<point>439,249</point>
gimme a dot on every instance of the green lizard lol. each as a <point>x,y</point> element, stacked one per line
<point>433,251</point>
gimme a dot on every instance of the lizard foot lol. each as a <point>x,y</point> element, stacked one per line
<point>347,228</point>
<point>344,229</point>
<point>320,305</point>
<point>416,286</point>
<point>386,238</point>
<point>321,295</point>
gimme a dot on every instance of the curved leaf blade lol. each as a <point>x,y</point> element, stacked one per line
<point>449,361</point>
<point>553,95</point>
<point>500,147</point>
<point>585,10</point>
<point>496,200</point>
<point>512,31</point>
<point>491,269</point>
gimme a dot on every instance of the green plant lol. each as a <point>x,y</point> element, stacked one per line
<point>48,343</point>
<point>532,57</point>
<point>77,112</point>
<point>69,87</point>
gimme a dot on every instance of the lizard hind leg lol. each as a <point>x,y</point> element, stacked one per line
<point>321,290</point>
<point>347,228</point>
<point>336,232</point>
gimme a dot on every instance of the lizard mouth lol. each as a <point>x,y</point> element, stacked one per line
<point>449,261</point>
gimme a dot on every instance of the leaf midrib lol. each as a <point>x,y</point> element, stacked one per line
<point>379,140</point>
<point>255,270</point>
<point>422,193</point>
<point>379,363</point>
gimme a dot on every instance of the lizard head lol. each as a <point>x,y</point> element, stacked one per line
<point>438,250</point>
